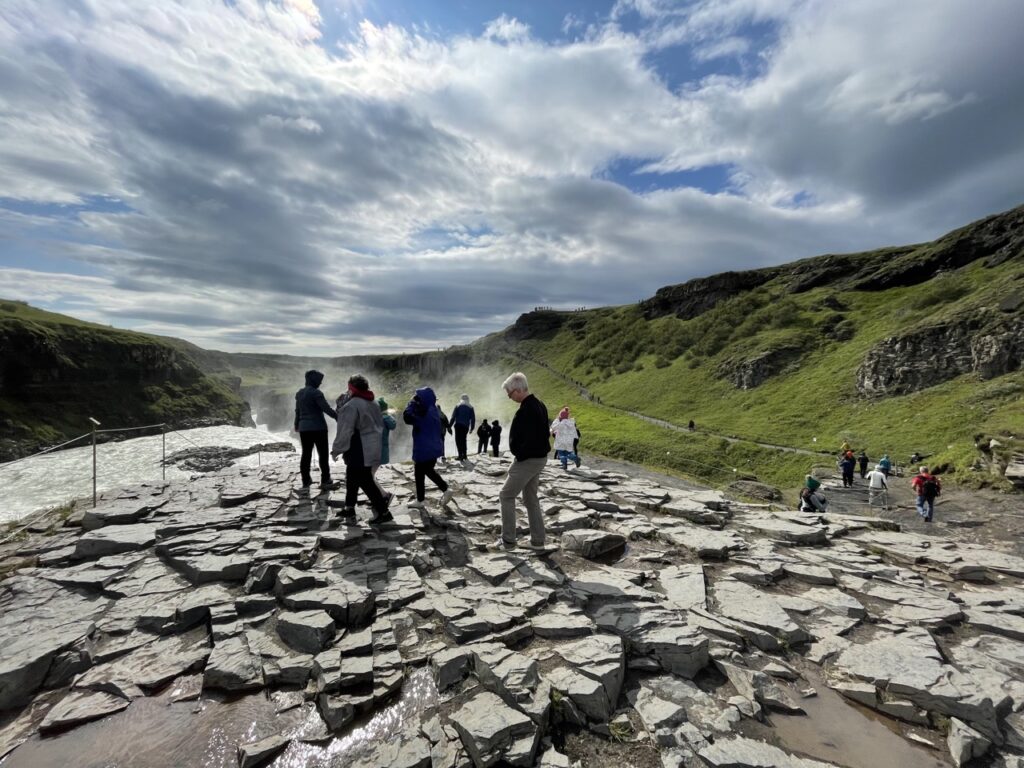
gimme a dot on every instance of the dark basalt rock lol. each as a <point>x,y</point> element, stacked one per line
<point>695,297</point>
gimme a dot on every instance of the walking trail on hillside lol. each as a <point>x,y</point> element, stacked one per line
<point>234,620</point>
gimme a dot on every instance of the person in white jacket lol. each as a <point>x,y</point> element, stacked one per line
<point>563,429</point>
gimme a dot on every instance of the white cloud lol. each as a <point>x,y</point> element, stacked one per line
<point>410,190</point>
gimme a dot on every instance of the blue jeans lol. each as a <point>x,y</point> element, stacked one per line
<point>566,457</point>
<point>922,503</point>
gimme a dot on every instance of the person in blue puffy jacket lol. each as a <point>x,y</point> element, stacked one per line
<point>427,444</point>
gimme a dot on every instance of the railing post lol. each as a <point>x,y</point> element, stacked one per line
<point>94,425</point>
<point>163,452</point>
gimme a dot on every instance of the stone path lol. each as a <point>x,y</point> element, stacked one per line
<point>665,619</point>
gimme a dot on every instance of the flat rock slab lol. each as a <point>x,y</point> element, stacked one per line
<point>744,603</point>
<point>740,752</point>
<point>119,512</point>
<point>490,729</point>
<point>114,540</point>
<point>594,545</point>
<point>81,707</point>
<point>306,631</point>
<point>684,586</point>
<point>258,753</point>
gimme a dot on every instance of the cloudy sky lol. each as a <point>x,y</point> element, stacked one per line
<point>337,176</point>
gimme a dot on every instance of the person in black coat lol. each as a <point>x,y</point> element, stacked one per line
<point>483,434</point>
<point>495,436</point>
<point>310,407</point>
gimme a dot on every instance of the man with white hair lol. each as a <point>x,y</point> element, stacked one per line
<point>528,443</point>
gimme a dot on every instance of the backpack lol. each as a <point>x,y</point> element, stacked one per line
<point>930,488</point>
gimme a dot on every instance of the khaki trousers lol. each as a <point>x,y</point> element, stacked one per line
<point>523,477</point>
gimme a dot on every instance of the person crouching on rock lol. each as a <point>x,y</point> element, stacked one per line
<point>359,441</point>
<point>310,407</point>
<point>427,444</point>
<point>811,497</point>
<point>528,442</point>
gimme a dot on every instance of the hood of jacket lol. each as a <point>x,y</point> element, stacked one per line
<point>426,396</point>
<point>314,378</point>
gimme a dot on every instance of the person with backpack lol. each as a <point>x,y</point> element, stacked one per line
<point>483,436</point>
<point>811,497</point>
<point>928,488</point>
<point>847,464</point>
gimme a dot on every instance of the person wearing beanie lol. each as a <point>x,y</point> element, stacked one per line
<point>358,441</point>
<point>423,416</point>
<point>811,497</point>
<point>463,421</point>
<point>310,407</point>
<point>495,436</point>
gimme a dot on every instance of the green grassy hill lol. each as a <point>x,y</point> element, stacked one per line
<point>899,350</point>
<point>56,372</point>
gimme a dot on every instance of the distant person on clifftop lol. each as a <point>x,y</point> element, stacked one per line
<point>528,442</point>
<point>463,421</point>
<point>495,436</point>
<point>483,436</point>
<point>862,459</point>
<point>563,429</point>
<point>427,444</point>
<point>358,440</point>
<point>310,407</point>
<point>928,488</point>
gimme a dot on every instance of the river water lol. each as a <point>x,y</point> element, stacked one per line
<point>55,478</point>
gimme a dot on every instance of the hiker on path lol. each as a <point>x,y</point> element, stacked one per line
<point>528,442</point>
<point>446,429</point>
<point>877,487</point>
<point>862,459</point>
<point>427,444</point>
<point>358,441</point>
<point>885,464</point>
<point>847,464</point>
<point>463,421</point>
<point>495,436</point>
<point>310,407</point>
<point>811,497</point>
<point>563,429</point>
<point>928,488</point>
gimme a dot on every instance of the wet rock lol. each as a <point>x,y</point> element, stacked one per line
<point>965,743</point>
<point>81,707</point>
<point>450,666</point>
<point>739,752</point>
<point>336,711</point>
<point>233,667</point>
<point>260,752</point>
<point>492,731</point>
<point>594,545</point>
<point>306,631</point>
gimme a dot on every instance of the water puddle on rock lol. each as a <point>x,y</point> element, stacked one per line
<point>158,732</point>
<point>844,734</point>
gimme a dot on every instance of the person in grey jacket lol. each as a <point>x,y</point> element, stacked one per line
<point>359,441</point>
<point>310,407</point>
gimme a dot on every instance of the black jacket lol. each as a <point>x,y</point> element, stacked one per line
<point>528,437</point>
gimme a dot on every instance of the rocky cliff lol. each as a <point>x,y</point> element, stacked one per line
<point>987,343</point>
<point>56,372</point>
<point>690,299</point>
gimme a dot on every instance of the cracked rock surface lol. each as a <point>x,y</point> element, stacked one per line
<point>242,616</point>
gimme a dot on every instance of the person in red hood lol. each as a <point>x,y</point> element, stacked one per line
<point>358,440</point>
<point>927,487</point>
